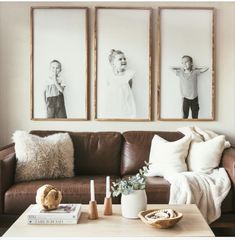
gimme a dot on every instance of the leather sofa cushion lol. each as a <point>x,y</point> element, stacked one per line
<point>95,153</point>
<point>74,190</point>
<point>77,190</point>
<point>158,190</point>
<point>137,146</point>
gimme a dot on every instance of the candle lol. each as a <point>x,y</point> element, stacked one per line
<point>92,189</point>
<point>108,187</point>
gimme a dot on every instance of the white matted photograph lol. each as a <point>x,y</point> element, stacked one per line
<point>123,64</point>
<point>59,63</point>
<point>186,84</point>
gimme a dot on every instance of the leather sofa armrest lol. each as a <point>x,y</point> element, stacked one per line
<point>4,151</point>
<point>7,171</point>
<point>228,162</point>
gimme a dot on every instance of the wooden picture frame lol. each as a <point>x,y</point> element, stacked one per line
<point>59,63</point>
<point>186,56</point>
<point>123,64</point>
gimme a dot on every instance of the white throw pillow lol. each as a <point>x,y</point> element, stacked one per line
<point>205,156</point>
<point>43,158</point>
<point>168,157</point>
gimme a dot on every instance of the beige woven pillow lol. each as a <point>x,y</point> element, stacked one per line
<point>43,158</point>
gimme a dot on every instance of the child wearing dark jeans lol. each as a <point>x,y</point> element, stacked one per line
<point>188,85</point>
<point>193,104</point>
<point>53,93</point>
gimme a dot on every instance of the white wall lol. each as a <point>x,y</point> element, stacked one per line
<point>15,72</point>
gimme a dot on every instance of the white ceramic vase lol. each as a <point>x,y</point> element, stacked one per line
<point>133,203</point>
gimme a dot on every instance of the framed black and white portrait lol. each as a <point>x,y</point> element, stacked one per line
<point>186,84</point>
<point>123,64</point>
<point>59,63</point>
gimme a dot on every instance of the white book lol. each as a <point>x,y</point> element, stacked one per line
<point>64,214</point>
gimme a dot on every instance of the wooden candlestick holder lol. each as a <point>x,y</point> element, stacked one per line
<point>93,212</point>
<point>108,206</point>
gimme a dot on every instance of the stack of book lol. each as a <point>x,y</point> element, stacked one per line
<point>64,214</point>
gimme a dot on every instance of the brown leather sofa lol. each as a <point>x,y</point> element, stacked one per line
<point>98,154</point>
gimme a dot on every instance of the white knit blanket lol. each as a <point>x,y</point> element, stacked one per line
<point>206,190</point>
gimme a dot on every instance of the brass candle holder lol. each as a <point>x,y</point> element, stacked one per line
<point>93,212</point>
<point>108,206</point>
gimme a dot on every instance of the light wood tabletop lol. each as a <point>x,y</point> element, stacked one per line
<point>192,224</point>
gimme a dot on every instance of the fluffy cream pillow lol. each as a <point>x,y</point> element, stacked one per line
<point>43,158</point>
<point>205,156</point>
<point>168,157</point>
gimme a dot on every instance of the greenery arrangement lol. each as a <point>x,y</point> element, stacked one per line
<point>126,186</point>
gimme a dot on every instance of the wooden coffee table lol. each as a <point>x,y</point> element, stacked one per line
<point>192,224</point>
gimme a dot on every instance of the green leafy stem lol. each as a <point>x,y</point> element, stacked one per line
<point>126,186</point>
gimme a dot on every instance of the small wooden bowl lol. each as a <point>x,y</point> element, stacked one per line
<point>160,223</point>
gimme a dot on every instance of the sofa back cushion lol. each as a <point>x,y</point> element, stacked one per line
<point>95,153</point>
<point>136,148</point>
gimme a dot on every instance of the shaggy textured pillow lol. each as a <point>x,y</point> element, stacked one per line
<point>43,158</point>
<point>168,157</point>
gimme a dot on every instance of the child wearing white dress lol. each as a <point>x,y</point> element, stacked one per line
<point>120,101</point>
<point>54,97</point>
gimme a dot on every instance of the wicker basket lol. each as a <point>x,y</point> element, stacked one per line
<point>160,223</point>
